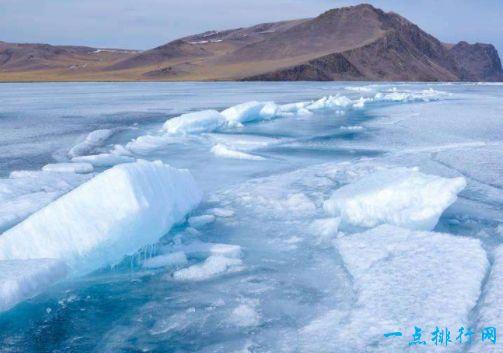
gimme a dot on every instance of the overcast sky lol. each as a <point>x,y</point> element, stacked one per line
<point>142,24</point>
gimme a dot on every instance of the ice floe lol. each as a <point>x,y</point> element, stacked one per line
<point>23,279</point>
<point>402,278</point>
<point>27,191</point>
<point>194,123</point>
<point>95,139</point>
<point>399,196</point>
<point>114,214</point>
<point>249,112</point>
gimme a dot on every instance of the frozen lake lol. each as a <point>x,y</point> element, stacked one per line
<point>321,226</point>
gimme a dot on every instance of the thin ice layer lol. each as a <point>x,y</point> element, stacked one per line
<point>114,214</point>
<point>401,279</point>
<point>22,279</point>
<point>401,196</point>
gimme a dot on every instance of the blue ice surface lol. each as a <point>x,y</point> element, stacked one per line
<point>286,285</point>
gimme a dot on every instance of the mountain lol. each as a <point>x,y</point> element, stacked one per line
<point>44,62</point>
<point>350,43</point>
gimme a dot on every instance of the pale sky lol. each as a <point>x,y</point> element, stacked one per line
<point>145,24</point>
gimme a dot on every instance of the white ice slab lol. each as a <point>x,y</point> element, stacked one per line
<point>249,112</point>
<point>93,140</point>
<point>399,196</point>
<point>114,214</point>
<point>194,123</point>
<point>23,279</point>
<point>401,279</point>
<point>28,191</point>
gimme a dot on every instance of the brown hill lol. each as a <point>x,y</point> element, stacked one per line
<point>350,43</point>
<point>44,62</point>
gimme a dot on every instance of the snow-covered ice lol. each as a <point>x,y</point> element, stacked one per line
<point>402,278</point>
<point>23,279</point>
<point>401,196</point>
<point>112,215</point>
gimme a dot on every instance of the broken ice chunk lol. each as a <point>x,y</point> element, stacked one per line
<point>401,196</point>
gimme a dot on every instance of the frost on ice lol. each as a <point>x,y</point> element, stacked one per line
<point>400,279</point>
<point>114,214</point>
<point>399,196</point>
<point>22,279</point>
